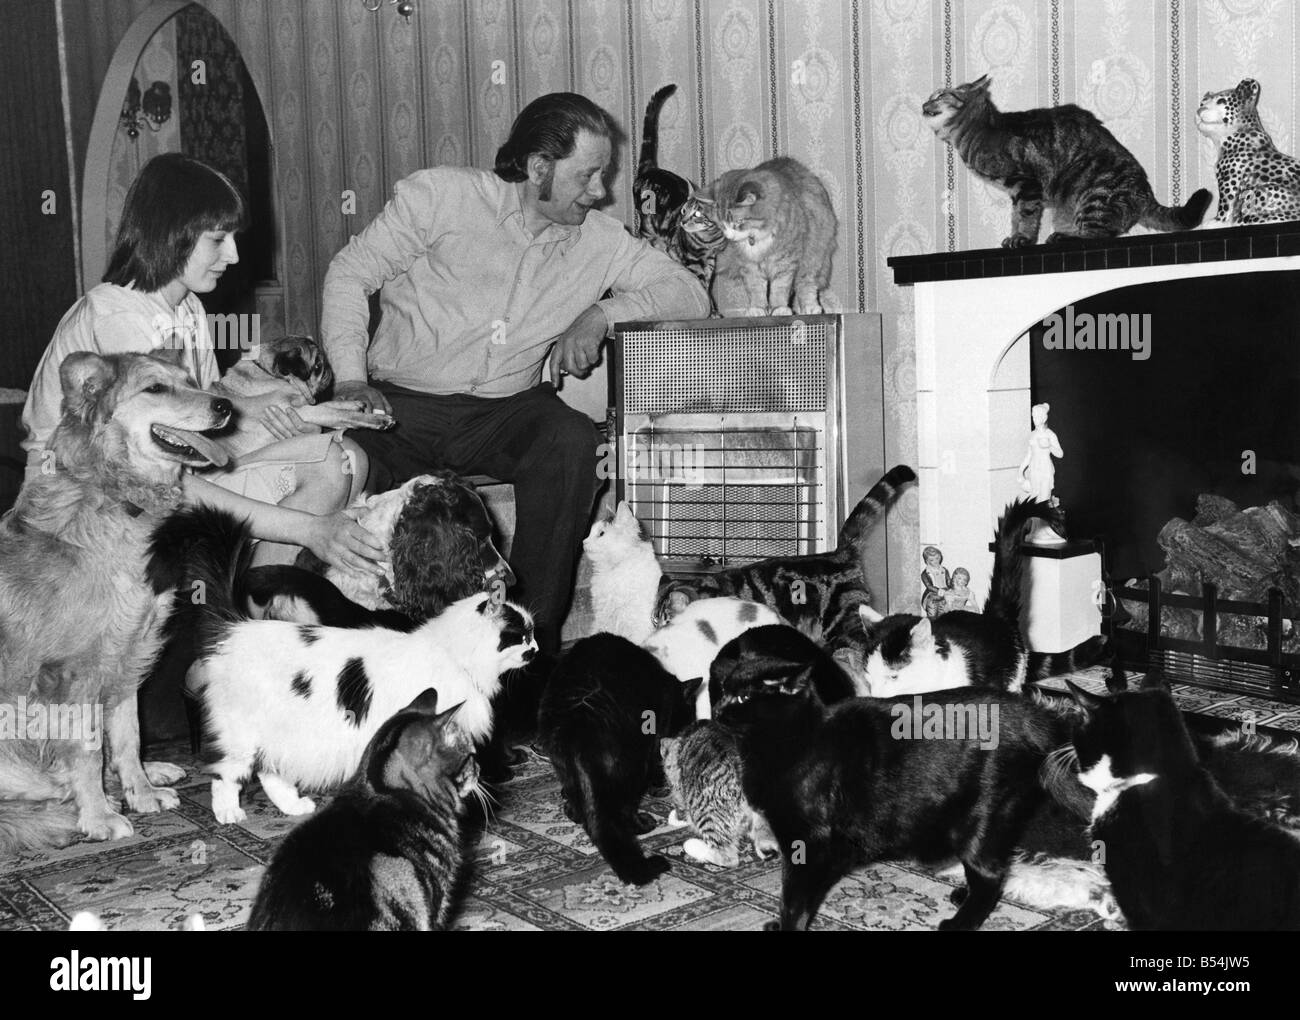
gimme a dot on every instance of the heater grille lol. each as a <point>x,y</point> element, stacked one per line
<point>780,365</point>
<point>728,433</point>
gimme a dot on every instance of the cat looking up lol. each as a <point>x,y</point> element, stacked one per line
<point>1061,159</point>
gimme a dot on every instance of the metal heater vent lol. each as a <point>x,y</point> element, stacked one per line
<point>771,365</point>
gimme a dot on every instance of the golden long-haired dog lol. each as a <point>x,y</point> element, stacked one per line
<point>79,619</point>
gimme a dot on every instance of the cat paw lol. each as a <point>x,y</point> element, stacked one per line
<point>958,896</point>
<point>645,871</point>
<point>161,773</point>
<point>104,825</point>
<point>808,308</point>
<point>1017,241</point>
<point>151,799</point>
<point>772,926</point>
<point>765,848</point>
<point>698,850</point>
<point>675,821</point>
<point>645,822</point>
<point>783,310</point>
<point>230,816</point>
<point>755,312</point>
<point>301,806</point>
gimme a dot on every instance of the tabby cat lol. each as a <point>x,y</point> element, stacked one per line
<point>602,714</point>
<point>1180,855</point>
<point>703,770</point>
<point>1060,158</point>
<point>668,212</point>
<point>819,593</point>
<point>781,233</point>
<point>386,853</point>
<point>842,788</point>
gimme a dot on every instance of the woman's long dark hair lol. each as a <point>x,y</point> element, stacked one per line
<point>171,203</point>
<point>549,126</point>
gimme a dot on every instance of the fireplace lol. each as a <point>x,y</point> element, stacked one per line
<point>982,362</point>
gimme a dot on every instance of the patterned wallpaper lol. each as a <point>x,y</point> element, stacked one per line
<point>356,100</point>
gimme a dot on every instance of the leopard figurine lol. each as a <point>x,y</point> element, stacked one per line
<point>1257,184</point>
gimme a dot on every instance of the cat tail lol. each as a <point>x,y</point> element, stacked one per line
<point>872,507</point>
<point>1008,565</point>
<point>204,552</point>
<point>650,129</point>
<point>1087,653</point>
<point>1184,217</point>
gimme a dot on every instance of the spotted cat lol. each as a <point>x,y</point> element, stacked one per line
<point>1257,184</point>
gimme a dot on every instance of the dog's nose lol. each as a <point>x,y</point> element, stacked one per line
<point>223,407</point>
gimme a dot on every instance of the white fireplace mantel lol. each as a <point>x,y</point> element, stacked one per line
<point>972,365</point>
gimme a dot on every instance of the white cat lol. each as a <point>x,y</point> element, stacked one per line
<point>625,577</point>
<point>688,645</point>
<point>304,701</point>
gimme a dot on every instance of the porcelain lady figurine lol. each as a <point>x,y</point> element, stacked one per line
<point>1037,472</point>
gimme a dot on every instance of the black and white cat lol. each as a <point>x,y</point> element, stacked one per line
<point>909,654</point>
<point>1180,855</point>
<point>863,780</point>
<point>385,854</point>
<point>302,702</point>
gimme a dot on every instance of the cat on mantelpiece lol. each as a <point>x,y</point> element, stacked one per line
<point>1061,159</point>
<point>781,234</point>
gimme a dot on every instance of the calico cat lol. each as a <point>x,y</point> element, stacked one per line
<point>1180,855</point>
<point>844,786</point>
<point>602,714</point>
<point>819,593</point>
<point>385,855</point>
<point>781,233</point>
<point>688,645</point>
<point>1060,158</point>
<point>703,770</point>
<point>910,654</point>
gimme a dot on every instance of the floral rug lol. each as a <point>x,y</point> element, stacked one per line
<point>533,869</point>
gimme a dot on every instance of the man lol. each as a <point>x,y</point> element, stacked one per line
<point>483,276</point>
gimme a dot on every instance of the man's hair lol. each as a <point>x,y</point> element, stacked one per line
<point>549,126</point>
<point>169,206</point>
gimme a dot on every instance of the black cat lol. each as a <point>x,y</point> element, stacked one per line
<point>601,716</point>
<point>385,855</point>
<point>952,774</point>
<point>1180,855</point>
<point>777,651</point>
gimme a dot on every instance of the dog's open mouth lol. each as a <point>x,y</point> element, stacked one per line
<point>190,448</point>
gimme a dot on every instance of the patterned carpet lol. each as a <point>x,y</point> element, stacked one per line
<point>533,870</point>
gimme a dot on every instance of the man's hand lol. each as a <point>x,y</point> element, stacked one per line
<point>341,542</point>
<point>371,399</point>
<point>577,349</point>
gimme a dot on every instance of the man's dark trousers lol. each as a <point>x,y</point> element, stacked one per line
<point>533,440</point>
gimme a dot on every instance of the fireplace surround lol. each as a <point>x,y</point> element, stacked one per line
<point>974,313</point>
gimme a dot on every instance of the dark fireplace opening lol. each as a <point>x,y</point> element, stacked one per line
<point>1208,402</point>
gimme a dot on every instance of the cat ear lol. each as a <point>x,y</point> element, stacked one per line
<point>426,702</point>
<point>691,690</point>
<point>442,718</point>
<point>923,634</point>
<point>1249,87</point>
<point>982,83</point>
<point>1086,701</point>
<point>868,615</point>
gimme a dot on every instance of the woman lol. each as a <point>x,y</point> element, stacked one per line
<point>176,238</point>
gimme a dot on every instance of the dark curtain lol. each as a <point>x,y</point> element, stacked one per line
<point>222,123</point>
<point>37,259</point>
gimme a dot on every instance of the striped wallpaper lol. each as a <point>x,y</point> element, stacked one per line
<point>357,100</point>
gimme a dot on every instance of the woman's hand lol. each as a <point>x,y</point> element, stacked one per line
<point>345,414</point>
<point>341,542</point>
<point>284,422</point>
